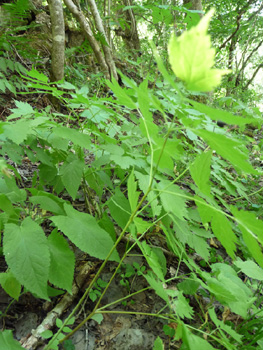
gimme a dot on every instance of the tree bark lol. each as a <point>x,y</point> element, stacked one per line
<point>105,46</point>
<point>84,24</point>
<point>58,40</point>
<point>130,33</point>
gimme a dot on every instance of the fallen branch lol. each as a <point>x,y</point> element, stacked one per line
<point>49,321</point>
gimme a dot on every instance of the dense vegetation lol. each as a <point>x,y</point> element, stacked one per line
<point>135,122</point>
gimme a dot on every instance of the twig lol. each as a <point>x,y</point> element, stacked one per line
<point>50,320</point>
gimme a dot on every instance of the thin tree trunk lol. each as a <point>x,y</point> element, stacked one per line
<point>106,47</point>
<point>84,24</point>
<point>58,40</point>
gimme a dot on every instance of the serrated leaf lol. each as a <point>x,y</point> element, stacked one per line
<point>251,229</point>
<point>158,344</point>
<point>18,131</point>
<point>39,76</point>
<point>10,284</point>
<point>47,203</point>
<point>224,327</point>
<point>7,341</point>
<point>182,307</point>
<point>188,286</point>
<point>194,342</point>
<point>77,137</point>
<point>119,208</point>
<point>62,262</point>
<point>71,173</point>
<point>27,255</point>
<point>200,171</point>
<point>223,231</point>
<point>250,268</point>
<point>157,286</point>
<point>229,149</point>
<point>220,114</point>
<point>172,199</point>
<point>120,93</point>
<point>23,108</point>
<point>83,230</point>
<point>191,57</point>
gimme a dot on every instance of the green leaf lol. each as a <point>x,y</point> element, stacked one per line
<point>26,253</point>
<point>83,230</point>
<point>18,131</point>
<point>194,342</point>
<point>192,57</point>
<point>23,109</point>
<point>98,318</point>
<point>157,285</point>
<point>222,115</point>
<point>182,307</point>
<point>133,194</point>
<point>76,136</point>
<point>158,344</point>
<point>200,172</point>
<point>229,289</point>
<point>47,334</point>
<point>7,341</point>
<point>155,259</point>
<point>172,199</point>
<point>252,230</point>
<point>119,208</point>
<point>224,327</point>
<point>121,94</point>
<point>10,284</point>
<point>250,268</point>
<point>188,286</point>
<point>72,172</point>
<point>229,149</point>
<point>39,76</point>
<point>223,231</point>
<point>48,203</point>
<point>62,261</point>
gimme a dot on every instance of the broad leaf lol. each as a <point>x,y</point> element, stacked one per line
<point>224,327</point>
<point>252,230</point>
<point>250,268</point>
<point>83,230</point>
<point>10,284</point>
<point>229,149</point>
<point>192,57</point>
<point>62,261</point>
<point>200,172</point>
<point>223,231</point>
<point>72,172</point>
<point>194,342</point>
<point>7,342</point>
<point>158,344</point>
<point>18,131</point>
<point>119,208</point>
<point>27,255</point>
<point>172,199</point>
<point>220,114</point>
<point>76,136</point>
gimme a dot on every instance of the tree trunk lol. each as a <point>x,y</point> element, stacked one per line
<point>105,45</point>
<point>58,40</point>
<point>84,24</point>
<point>130,34</point>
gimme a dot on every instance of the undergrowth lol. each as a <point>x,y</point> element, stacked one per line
<point>145,162</point>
